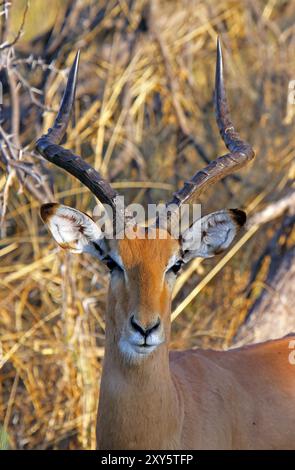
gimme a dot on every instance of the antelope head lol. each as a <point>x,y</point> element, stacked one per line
<point>143,263</point>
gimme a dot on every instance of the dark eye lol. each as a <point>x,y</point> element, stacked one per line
<point>176,267</point>
<point>111,264</point>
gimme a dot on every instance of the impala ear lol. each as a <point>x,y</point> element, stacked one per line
<point>212,234</point>
<point>72,230</point>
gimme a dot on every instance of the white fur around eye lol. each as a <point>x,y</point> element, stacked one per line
<point>171,262</point>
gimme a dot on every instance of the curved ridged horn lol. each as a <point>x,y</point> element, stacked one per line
<point>240,151</point>
<point>48,146</point>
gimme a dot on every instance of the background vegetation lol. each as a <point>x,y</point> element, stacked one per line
<point>144,117</point>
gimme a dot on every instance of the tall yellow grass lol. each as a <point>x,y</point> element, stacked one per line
<point>51,303</point>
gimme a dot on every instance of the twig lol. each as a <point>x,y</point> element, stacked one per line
<point>274,210</point>
<point>7,45</point>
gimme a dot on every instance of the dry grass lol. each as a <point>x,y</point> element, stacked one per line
<point>128,124</point>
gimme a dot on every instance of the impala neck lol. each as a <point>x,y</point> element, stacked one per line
<point>138,406</point>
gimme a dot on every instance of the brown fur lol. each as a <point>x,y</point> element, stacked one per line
<point>48,210</point>
<point>238,399</point>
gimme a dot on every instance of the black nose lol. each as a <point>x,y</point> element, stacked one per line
<point>141,329</point>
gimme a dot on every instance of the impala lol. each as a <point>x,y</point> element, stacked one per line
<point>151,398</point>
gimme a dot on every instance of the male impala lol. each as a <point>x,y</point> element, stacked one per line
<point>150,398</point>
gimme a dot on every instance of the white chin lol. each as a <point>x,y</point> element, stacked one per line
<point>144,350</point>
<point>135,352</point>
